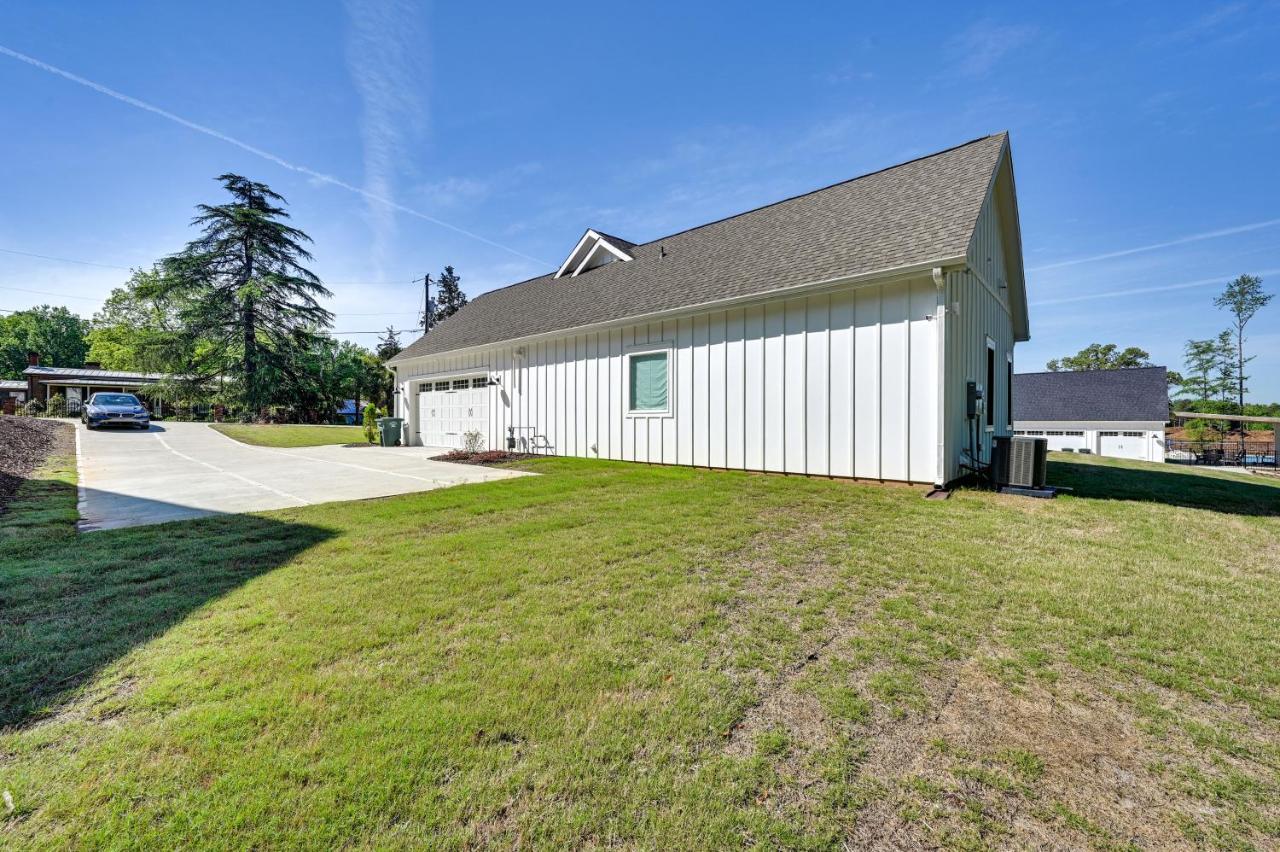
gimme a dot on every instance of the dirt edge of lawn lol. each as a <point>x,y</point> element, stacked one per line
<point>37,477</point>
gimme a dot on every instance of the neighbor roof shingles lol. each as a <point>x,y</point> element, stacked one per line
<point>1109,395</point>
<point>912,213</point>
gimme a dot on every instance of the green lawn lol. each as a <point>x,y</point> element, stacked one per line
<point>622,655</point>
<point>291,435</point>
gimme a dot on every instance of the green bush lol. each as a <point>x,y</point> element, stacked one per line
<point>371,415</point>
<point>57,406</point>
<point>33,408</point>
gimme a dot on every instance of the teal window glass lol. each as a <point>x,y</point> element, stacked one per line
<point>649,381</point>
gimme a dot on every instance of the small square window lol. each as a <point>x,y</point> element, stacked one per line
<point>648,379</point>
<point>461,384</point>
<point>480,382</point>
<point>442,386</point>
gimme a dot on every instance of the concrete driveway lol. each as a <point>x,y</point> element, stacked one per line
<point>188,470</point>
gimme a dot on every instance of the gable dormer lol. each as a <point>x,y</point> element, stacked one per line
<point>593,250</point>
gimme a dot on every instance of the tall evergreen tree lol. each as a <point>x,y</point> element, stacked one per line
<point>1226,375</point>
<point>246,293</point>
<point>449,295</point>
<point>388,345</point>
<point>1201,357</point>
<point>1243,298</point>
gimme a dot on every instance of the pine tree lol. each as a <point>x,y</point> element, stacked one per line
<point>1201,358</point>
<point>1226,375</point>
<point>449,296</point>
<point>388,345</point>
<point>246,294</point>
<point>1243,297</point>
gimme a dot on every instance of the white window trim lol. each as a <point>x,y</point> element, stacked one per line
<point>989,394</point>
<point>1008,392</point>
<point>666,348</point>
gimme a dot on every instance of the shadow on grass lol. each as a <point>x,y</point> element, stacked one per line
<point>72,604</point>
<point>1174,486</point>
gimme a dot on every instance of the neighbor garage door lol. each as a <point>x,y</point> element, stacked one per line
<point>447,410</point>
<point>1125,445</point>
<point>1066,440</point>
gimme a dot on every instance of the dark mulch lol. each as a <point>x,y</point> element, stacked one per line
<point>25,442</point>
<point>487,458</point>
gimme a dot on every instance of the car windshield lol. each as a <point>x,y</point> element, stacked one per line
<point>114,399</point>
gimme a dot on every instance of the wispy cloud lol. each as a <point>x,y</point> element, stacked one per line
<point>981,46</point>
<point>458,190</point>
<point>385,48</point>
<point>1206,26</point>
<point>1191,238</point>
<point>257,152</point>
<point>1138,291</point>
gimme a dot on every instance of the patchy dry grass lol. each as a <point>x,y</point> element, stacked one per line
<point>663,658</point>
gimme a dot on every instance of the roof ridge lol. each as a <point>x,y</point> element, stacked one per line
<point>1107,370</point>
<point>889,168</point>
<point>816,190</point>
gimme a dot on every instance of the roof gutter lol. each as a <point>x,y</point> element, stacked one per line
<point>913,270</point>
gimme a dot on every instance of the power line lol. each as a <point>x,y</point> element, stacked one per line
<point>65,259</point>
<point>49,293</point>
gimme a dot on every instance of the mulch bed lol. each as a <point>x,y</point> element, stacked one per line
<point>488,458</point>
<point>25,442</point>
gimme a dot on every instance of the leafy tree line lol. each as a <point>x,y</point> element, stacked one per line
<point>1214,377</point>
<point>56,333</point>
<point>234,318</point>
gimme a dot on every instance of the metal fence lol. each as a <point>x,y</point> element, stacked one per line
<point>1225,453</point>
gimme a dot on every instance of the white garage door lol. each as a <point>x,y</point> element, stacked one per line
<point>1125,445</point>
<point>1066,440</point>
<point>447,410</point>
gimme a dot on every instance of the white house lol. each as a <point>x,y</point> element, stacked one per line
<point>1118,413</point>
<point>833,333</point>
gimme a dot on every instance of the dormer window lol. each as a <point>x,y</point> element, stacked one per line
<point>593,250</point>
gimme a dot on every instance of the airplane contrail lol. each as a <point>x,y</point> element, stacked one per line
<point>258,152</point>
<point>1192,238</point>
<point>1137,291</point>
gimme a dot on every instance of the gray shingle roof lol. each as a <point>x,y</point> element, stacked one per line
<point>90,373</point>
<point>10,384</point>
<point>618,242</point>
<point>919,211</point>
<point>1136,394</point>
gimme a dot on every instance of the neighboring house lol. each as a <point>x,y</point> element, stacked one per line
<point>1106,412</point>
<point>77,384</point>
<point>12,394</point>
<point>832,333</point>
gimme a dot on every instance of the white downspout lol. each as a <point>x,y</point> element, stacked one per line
<point>940,281</point>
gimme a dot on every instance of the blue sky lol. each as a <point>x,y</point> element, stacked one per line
<point>1145,139</point>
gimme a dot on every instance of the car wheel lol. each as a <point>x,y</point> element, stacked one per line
<point>144,426</point>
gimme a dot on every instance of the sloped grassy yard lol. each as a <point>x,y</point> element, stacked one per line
<point>614,654</point>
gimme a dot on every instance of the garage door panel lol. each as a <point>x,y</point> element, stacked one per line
<point>1125,445</point>
<point>446,415</point>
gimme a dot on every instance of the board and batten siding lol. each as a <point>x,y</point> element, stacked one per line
<point>841,383</point>
<point>977,310</point>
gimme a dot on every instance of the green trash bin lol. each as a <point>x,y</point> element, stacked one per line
<point>390,428</point>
